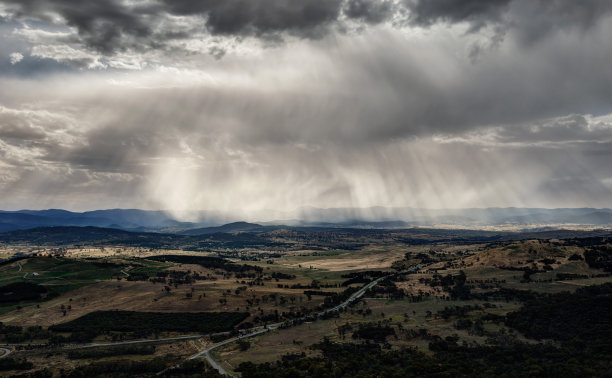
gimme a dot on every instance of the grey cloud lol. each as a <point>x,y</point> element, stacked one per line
<point>340,121</point>
<point>532,20</point>
<point>246,17</point>
<point>574,128</point>
<point>114,149</point>
<point>101,24</point>
<point>109,26</point>
<point>476,12</point>
<point>371,11</point>
<point>15,128</point>
<point>382,88</point>
<point>211,159</point>
<point>20,126</point>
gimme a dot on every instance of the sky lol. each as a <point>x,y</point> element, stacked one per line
<point>256,105</point>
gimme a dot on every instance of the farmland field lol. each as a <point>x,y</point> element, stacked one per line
<point>174,303</point>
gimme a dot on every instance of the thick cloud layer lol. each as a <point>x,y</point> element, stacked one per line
<point>108,26</point>
<point>245,106</point>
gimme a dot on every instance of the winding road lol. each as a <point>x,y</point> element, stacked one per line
<point>252,331</point>
<point>358,294</point>
<point>6,352</point>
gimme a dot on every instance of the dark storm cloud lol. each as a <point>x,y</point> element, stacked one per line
<point>534,20</point>
<point>531,19</point>
<point>371,11</point>
<point>476,12</point>
<point>387,115</point>
<point>259,17</point>
<point>102,24</point>
<point>109,26</point>
<point>113,25</point>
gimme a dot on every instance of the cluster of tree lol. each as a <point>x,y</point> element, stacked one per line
<point>486,284</point>
<point>178,277</point>
<point>43,373</point>
<point>233,241</point>
<point>24,291</point>
<point>456,311</point>
<point>569,276</point>
<point>338,298</point>
<point>16,334</point>
<point>444,281</point>
<point>152,322</point>
<point>528,271</point>
<point>589,241</point>
<point>103,264</point>
<point>258,256</point>
<point>192,369</point>
<point>118,368</point>
<point>448,358</point>
<point>282,276</point>
<point>207,262</point>
<point>581,318</point>
<point>362,277</point>
<point>314,284</point>
<point>78,354</point>
<point>139,276</point>
<point>276,316</point>
<point>507,295</point>
<point>12,260</point>
<point>319,292</point>
<point>579,321</point>
<point>474,327</point>
<point>373,331</point>
<point>386,288</point>
<point>599,257</point>
<point>8,363</point>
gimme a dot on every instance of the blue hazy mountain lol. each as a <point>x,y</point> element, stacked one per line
<point>127,219</point>
<point>374,217</point>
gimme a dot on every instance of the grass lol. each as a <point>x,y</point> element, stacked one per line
<point>62,275</point>
<point>45,270</point>
<point>271,346</point>
<point>99,290</point>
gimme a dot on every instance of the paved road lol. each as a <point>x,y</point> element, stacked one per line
<point>253,331</point>
<point>5,351</point>
<point>213,363</point>
<point>358,294</point>
<point>126,342</point>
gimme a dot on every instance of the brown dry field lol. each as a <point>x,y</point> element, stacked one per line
<point>486,264</point>
<point>148,296</point>
<point>478,264</point>
<point>55,359</point>
<point>371,257</point>
<point>273,345</point>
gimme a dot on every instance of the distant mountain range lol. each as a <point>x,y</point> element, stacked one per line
<point>125,219</point>
<point>374,217</point>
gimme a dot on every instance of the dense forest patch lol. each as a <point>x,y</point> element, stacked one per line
<point>143,322</point>
<point>599,257</point>
<point>448,359</point>
<point>581,318</point>
<point>23,291</point>
<point>207,262</point>
<point>108,352</point>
